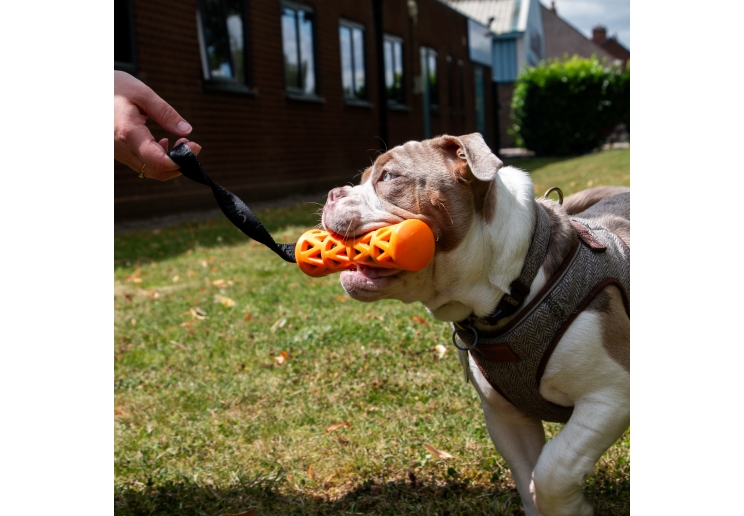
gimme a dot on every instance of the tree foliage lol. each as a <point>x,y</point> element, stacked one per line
<point>570,106</point>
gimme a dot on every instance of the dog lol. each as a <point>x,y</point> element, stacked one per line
<point>494,262</point>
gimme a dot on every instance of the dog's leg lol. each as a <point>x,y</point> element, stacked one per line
<point>583,371</point>
<point>518,438</point>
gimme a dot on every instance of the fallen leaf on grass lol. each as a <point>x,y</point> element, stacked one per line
<point>420,320</point>
<point>441,350</point>
<point>439,454</point>
<point>197,313</point>
<point>188,327</point>
<point>178,344</point>
<point>135,277</point>
<point>283,355</point>
<point>310,472</point>
<point>175,278</point>
<point>219,283</point>
<point>329,477</point>
<point>342,299</point>
<point>278,324</point>
<point>224,301</point>
<point>247,317</point>
<point>249,512</point>
<point>190,273</point>
<point>337,426</point>
<point>128,297</point>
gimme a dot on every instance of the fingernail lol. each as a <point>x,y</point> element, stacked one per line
<point>183,126</point>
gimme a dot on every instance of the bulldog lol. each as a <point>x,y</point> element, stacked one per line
<point>537,293</point>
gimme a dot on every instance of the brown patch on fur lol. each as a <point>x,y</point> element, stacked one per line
<point>580,201</point>
<point>562,236</point>
<point>615,324</point>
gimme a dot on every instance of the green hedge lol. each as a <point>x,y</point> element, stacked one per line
<point>570,106</point>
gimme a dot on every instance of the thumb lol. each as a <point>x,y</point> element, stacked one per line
<point>162,113</point>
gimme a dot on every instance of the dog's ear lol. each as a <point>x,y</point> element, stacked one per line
<point>470,157</point>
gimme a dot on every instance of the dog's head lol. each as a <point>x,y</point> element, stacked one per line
<point>446,182</point>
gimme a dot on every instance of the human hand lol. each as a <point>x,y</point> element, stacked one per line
<point>134,144</point>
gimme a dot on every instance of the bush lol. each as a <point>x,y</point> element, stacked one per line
<point>570,106</point>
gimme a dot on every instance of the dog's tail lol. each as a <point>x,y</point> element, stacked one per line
<point>585,199</point>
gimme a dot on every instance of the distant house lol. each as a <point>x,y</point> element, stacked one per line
<point>611,45</point>
<point>518,40</point>
<point>297,96</point>
<point>562,39</point>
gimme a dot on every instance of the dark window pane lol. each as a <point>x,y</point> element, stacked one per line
<point>291,52</point>
<point>216,40</point>
<point>307,60</point>
<point>389,67</point>
<point>360,86</point>
<point>235,34</point>
<point>347,69</point>
<point>394,70</point>
<point>433,78</point>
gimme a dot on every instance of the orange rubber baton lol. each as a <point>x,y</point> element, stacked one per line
<point>408,245</point>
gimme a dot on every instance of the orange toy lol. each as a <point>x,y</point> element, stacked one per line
<point>408,245</point>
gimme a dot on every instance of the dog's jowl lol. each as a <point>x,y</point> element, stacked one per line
<point>538,296</point>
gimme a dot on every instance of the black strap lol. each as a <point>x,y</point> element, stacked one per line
<point>230,204</point>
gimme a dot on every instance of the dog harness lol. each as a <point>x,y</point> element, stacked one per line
<point>513,358</point>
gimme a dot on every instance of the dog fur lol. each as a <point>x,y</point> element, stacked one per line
<point>482,216</point>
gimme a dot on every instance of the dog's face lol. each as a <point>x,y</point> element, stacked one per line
<point>445,182</point>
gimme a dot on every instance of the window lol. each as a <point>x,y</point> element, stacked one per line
<point>353,77</point>
<point>431,78</point>
<point>394,69</point>
<point>223,43</point>
<point>123,37</point>
<point>297,43</point>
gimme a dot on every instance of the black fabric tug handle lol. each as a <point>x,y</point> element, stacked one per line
<point>230,204</point>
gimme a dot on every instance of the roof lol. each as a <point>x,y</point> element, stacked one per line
<point>563,38</point>
<point>505,13</point>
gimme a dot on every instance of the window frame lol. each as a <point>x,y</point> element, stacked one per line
<point>229,84</point>
<point>295,92</point>
<point>393,40</point>
<point>128,66</point>
<point>353,98</point>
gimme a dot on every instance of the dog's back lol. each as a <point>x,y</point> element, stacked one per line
<point>607,205</point>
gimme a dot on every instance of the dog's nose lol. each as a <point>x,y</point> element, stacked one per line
<point>337,193</point>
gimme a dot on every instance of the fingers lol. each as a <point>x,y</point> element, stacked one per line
<point>161,112</point>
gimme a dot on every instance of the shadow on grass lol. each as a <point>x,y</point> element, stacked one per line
<point>159,244</point>
<point>271,497</point>
<point>390,498</point>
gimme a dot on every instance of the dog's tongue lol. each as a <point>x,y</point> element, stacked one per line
<point>376,272</point>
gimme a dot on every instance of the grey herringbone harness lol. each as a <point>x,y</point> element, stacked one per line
<point>513,358</point>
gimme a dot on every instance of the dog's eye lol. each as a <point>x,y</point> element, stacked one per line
<point>388,176</point>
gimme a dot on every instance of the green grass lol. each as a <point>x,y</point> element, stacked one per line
<point>208,422</point>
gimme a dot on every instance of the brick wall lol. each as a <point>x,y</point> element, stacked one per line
<point>266,145</point>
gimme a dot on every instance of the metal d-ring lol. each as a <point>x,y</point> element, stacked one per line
<point>560,194</point>
<point>475,338</point>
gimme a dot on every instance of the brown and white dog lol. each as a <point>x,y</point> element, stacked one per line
<point>483,217</point>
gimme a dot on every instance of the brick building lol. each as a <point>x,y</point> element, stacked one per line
<point>562,39</point>
<point>291,97</point>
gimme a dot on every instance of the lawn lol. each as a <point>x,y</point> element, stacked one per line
<point>241,383</point>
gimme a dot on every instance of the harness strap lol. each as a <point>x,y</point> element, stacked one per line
<point>230,204</point>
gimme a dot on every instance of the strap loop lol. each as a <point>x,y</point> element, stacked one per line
<point>475,339</point>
